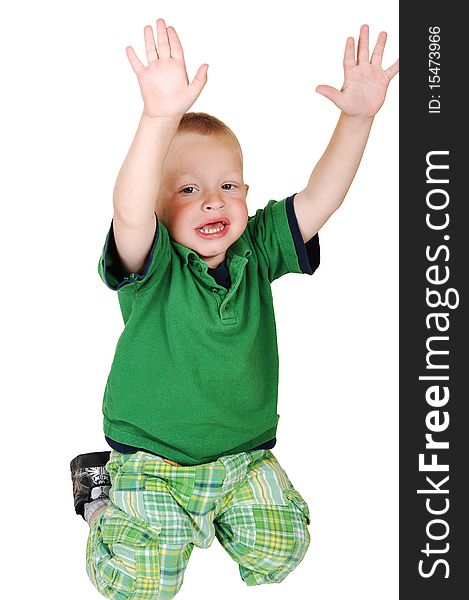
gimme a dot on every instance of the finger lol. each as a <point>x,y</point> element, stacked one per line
<point>199,80</point>
<point>164,50</point>
<point>330,92</point>
<point>349,54</point>
<point>134,62</point>
<point>393,69</point>
<point>175,44</point>
<point>363,45</point>
<point>150,47</point>
<point>377,56</point>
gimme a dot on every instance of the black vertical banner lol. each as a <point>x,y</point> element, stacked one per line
<point>434,271</point>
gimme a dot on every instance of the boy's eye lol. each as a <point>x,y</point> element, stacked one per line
<point>186,190</point>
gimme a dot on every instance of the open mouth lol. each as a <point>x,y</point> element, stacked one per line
<point>215,229</point>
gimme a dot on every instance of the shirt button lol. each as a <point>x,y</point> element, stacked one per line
<point>227,306</point>
<point>198,267</point>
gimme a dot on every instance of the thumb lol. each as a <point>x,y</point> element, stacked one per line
<point>329,92</point>
<point>199,80</point>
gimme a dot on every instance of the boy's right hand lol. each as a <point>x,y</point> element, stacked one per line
<point>164,84</point>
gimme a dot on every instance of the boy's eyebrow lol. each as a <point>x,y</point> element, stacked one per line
<point>190,174</point>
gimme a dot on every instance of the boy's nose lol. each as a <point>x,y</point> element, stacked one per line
<point>213,201</point>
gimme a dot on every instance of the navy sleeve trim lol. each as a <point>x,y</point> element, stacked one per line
<point>309,253</point>
<point>112,265</point>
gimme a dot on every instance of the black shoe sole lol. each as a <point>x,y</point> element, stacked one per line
<point>92,459</point>
<point>88,472</point>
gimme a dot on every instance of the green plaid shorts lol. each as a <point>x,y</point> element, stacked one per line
<point>139,545</point>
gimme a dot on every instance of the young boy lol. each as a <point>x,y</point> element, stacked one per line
<point>190,402</point>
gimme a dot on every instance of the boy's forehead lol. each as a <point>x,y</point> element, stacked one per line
<point>186,155</point>
<point>185,142</point>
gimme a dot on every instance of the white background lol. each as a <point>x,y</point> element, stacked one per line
<point>70,107</point>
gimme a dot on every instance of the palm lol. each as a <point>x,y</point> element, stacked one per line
<point>365,82</point>
<point>164,84</point>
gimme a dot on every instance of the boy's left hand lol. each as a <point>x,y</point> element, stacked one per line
<point>365,82</point>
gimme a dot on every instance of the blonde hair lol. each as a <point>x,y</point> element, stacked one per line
<point>205,124</point>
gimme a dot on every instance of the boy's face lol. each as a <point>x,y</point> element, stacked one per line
<point>202,182</point>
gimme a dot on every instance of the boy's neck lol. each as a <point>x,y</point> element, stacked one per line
<point>214,264</point>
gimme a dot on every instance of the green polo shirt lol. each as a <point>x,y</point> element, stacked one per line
<point>195,371</point>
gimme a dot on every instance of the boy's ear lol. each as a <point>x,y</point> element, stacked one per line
<point>247,187</point>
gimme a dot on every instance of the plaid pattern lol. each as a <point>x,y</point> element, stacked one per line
<point>139,546</point>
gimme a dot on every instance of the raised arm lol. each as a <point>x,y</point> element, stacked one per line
<point>362,95</point>
<point>167,95</point>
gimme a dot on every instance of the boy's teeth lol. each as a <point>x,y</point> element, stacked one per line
<point>208,230</point>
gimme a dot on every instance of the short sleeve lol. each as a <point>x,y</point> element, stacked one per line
<point>116,276</point>
<point>308,253</point>
<point>272,236</point>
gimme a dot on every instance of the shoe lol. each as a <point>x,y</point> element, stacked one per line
<point>90,479</point>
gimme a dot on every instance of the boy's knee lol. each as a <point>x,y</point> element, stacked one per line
<point>122,556</point>
<point>280,542</point>
<point>251,576</point>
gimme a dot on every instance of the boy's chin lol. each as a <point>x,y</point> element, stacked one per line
<point>210,250</point>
